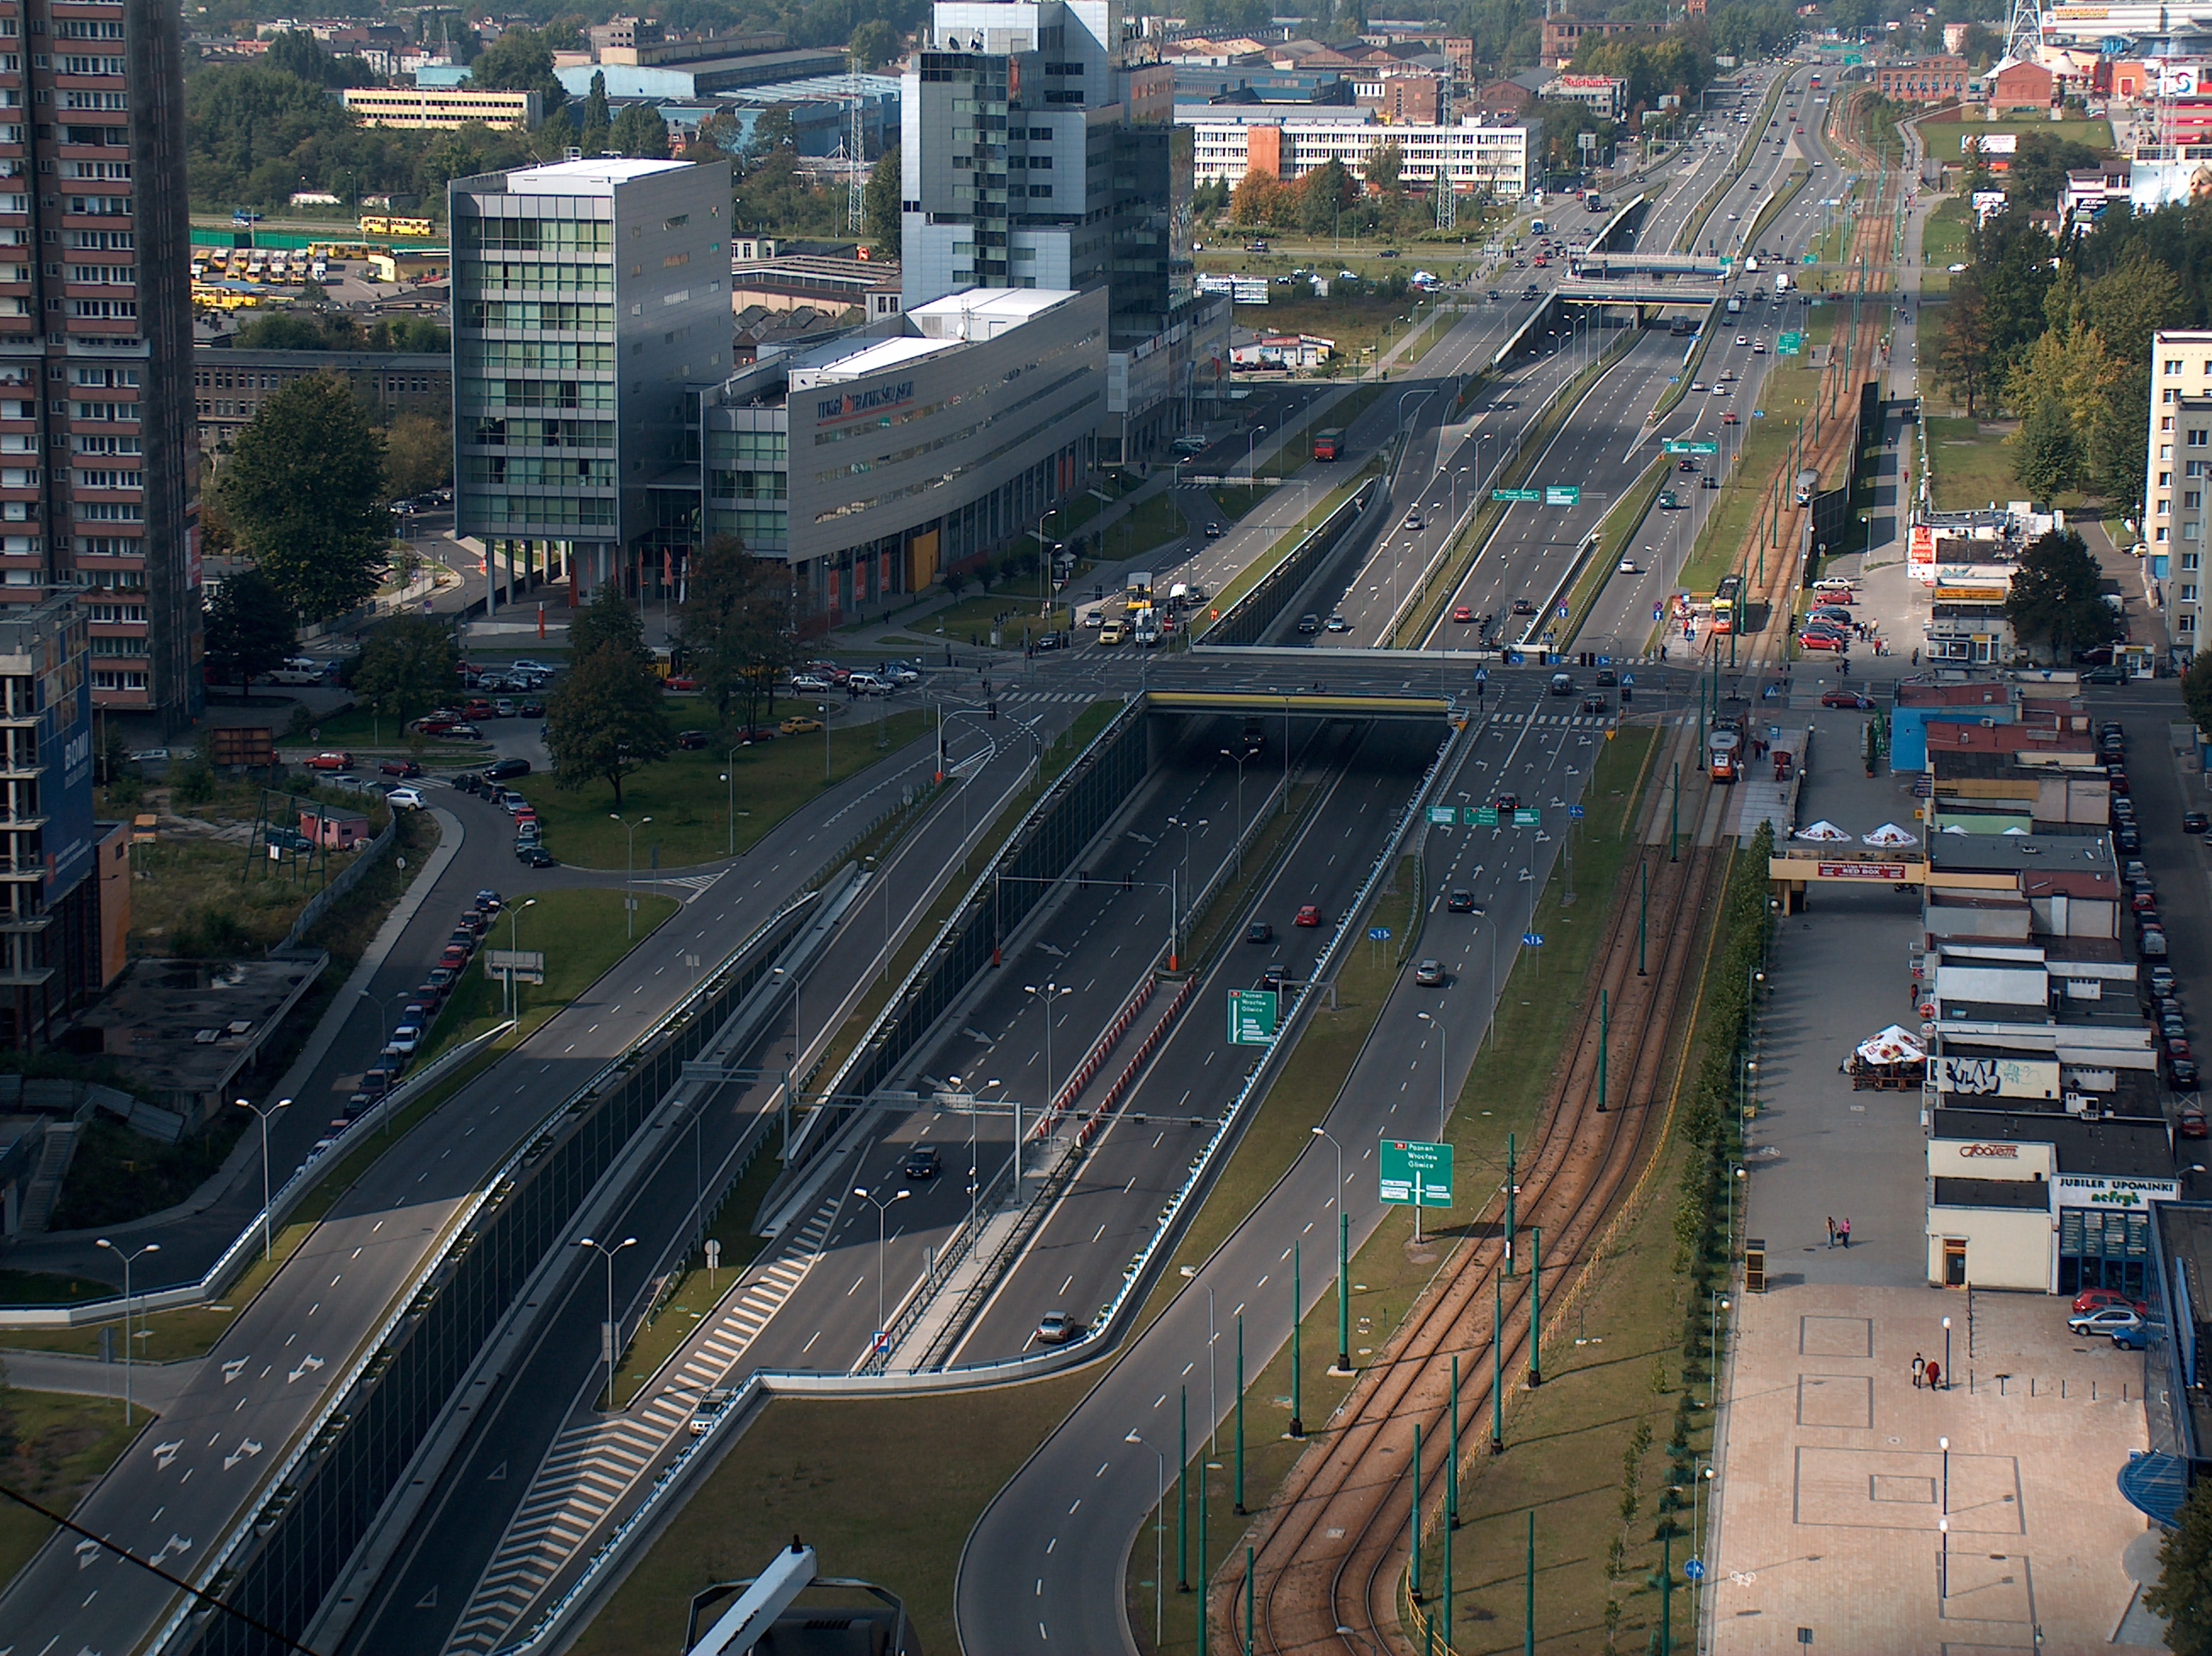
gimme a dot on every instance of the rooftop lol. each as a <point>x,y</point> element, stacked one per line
<point>2184,1238</point>
<point>2126,1147</point>
<point>584,177</point>
<point>2021,852</point>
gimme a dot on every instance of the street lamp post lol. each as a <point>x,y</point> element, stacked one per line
<point>514,947</point>
<point>1182,891</point>
<point>1343,1259</point>
<point>1443,1106</point>
<point>1946,1353</point>
<point>126,1256</point>
<point>730,776</point>
<point>1050,993</point>
<point>1159,1540</point>
<point>797,1050</point>
<point>608,1330</point>
<point>629,874</point>
<point>1239,761</point>
<point>263,1115</point>
<point>882,1207</point>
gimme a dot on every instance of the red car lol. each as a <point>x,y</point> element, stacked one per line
<point>1850,699</point>
<point>406,768</point>
<point>1729,418</point>
<point>1463,612</point>
<point>2192,1122</point>
<point>330,762</point>
<point>1309,915</point>
<point>2091,1299</point>
<point>677,681</point>
<point>1820,641</point>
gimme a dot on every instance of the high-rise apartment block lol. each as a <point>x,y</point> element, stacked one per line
<point>98,465</point>
<point>2177,480</point>
<point>587,294</point>
<point>1035,154</point>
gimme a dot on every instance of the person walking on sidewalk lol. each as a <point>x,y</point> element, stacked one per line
<point>1831,1232</point>
<point>1843,1230</point>
<point>1919,1370</point>
<point>1935,1375</point>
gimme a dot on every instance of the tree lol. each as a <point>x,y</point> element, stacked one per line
<point>408,666</point>
<point>519,61</point>
<point>2196,689</point>
<point>2057,594</point>
<point>1962,348</point>
<point>641,134</point>
<point>2183,1593</point>
<point>304,492</point>
<point>249,630</point>
<point>418,455</point>
<point>1385,165</point>
<point>298,53</point>
<point>886,224</point>
<point>597,120</point>
<point>2046,456</point>
<point>874,42</point>
<point>735,627</point>
<point>610,620</point>
<point>605,719</point>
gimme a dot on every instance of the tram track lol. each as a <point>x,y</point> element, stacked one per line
<point>1332,1549</point>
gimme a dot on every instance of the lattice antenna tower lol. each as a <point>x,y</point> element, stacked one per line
<point>856,155</point>
<point>2024,39</point>
<point>1447,202</point>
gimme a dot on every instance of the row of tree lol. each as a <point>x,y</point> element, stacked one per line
<point>2065,344</point>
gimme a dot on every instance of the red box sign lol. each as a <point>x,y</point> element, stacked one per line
<point>1892,872</point>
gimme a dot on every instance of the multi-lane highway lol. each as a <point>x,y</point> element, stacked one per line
<point>184,1484</point>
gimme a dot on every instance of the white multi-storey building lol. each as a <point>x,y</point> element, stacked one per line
<point>1476,156</point>
<point>2177,479</point>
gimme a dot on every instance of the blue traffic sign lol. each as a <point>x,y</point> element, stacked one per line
<point>1605,661</point>
<point>1694,1568</point>
<point>1533,940</point>
<point>1379,934</point>
<point>1482,675</point>
<point>1576,811</point>
<point>1656,612</point>
<point>1628,679</point>
<point>1562,612</point>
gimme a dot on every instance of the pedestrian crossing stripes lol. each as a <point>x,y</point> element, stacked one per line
<point>695,884</point>
<point>1063,696</point>
<point>595,1462</point>
<point>1577,720</point>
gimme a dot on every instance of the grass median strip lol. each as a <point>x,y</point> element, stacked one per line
<point>1615,536</point>
<point>53,1447</point>
<point>1504,1093</point>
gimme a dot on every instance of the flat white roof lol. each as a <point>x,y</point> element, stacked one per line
<point>584,177</point>
<point>877,356</point>
<point>1003,304</point>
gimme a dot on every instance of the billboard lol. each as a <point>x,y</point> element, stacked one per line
<point>1991,143</point>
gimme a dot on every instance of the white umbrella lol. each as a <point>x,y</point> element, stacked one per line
<point>2021,832</point>
<point>1890,835</point>
<point>1954,828</point>
<point>1824,832</point>
<point>1893,1045</point>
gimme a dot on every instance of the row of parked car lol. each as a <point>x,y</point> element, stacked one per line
<point>819,678</point>
<point>405,1041</point>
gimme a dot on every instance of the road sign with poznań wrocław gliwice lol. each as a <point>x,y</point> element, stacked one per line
<point>1677,446</point>
<point>1561,494</point>
<point>1251,1016</point>
<point>1416,1174</point>
<point>1517,494</point>
<point>1789,345</point>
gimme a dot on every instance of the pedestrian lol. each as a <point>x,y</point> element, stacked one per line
<point>1919,1370</point>
<point>1832,1230</point>
<point>1916,655</point>
<point>1935,1375</point>
<point>1843,1230</point>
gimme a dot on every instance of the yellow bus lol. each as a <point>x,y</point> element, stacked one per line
<point>381,224</point>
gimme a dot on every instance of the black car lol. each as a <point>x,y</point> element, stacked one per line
<point>535,856</point>
<point>2184,1071</point>
<point>1594,705</point>
<point>1460,903</point>
<point>1524,607</point>
<point>1259,932</point>
<point>469,782</point>
<point>2106,676</point>
<point>1272,978</point>
<point>691,740</point>
<point>1606,678</point>
<point>1050,641</point>
<point>501,770</point>
<point>922,1162</point>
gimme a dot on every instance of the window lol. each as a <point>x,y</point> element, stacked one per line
<point>2192,500</point>
<point>2199,439</point>
<point>2172,365</point>
<point>2164,507</point>
<point>2189,593</point>
<point>2188,560</point>
<point>2159,535</point>
<point>2165,479</point>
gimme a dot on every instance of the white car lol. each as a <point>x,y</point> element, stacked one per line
<point>1956,269</point>
<point>406,1038</point>
<point>1628,567</point>
<point>810,684</point>
<point>405,799</point>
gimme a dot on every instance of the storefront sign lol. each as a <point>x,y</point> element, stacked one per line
<point>2085,1190</point>
<point>1998,1152</point>
<point>1892,872</point>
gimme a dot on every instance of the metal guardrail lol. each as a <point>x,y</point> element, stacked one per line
<point>762,1384</point>
<point>457,1230</point>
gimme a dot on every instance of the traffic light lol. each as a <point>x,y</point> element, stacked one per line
<point>991,707</point>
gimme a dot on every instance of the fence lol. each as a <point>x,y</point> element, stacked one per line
<point>285,1552</point>
<point>762,1386</point>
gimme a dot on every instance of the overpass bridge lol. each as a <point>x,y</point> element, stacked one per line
<point>1644,297</point>
<point>1596,263</point>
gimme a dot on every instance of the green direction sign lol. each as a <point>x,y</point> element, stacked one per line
<point>1527,817</point>
<point>1790,344</point>
<point>1251,1016</point>
<point>1561,494</point>
<point>1517,494</point>
<point>1678,446</point>
<point>1483,816</point>
<point>1443,816</point>
<point>1417,1173</point>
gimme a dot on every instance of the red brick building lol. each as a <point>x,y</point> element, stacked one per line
<point>2017,85</point>
<point>1930,81</point>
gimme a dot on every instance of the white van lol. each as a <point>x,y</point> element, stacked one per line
<point>866,684</point>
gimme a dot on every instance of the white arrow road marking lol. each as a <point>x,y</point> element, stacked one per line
<point>166,1452</point>
<point>247,1448</point>
<point>307,1365</point>
<point>234,1368</point>
<point>86,1551</point>
<point>177,1545</point>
